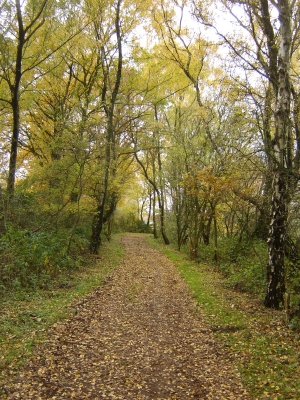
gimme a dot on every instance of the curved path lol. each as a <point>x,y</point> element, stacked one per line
<point>138,337</point>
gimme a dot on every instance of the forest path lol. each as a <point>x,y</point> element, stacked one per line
<point>139,336</point>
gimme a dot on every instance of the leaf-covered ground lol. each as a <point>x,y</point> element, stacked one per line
<point>139,336</point>
<point>261,340</point>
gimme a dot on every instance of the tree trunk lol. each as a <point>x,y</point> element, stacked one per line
<point>163,230</point>
<point>160,193</point>
<point>97,227</point>
<point>206,230</point>
<point>24,35</point>
<point>276,275</point>
<point>101,216</point>
<point>283,153</point>
<point>162,219</point>
<point>155,235</point>
<point>98,220</point>
<point>195,227</point>
<point>216,253</point>
<point>15,95</point>
<point>149,210</point>
<point>261,229</point>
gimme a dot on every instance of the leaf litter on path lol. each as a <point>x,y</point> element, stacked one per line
<point>138,337</point>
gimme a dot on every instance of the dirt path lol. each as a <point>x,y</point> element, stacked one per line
<point>137,337</point>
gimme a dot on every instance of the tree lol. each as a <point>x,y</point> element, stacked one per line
<point>26,46</point>
<point>151,164</point>
<point>61,130</point>
<point>25,32</point>
<point>149,135</point>
<point>274,40</point>
<point>114,28</point>
<point>110,91</point>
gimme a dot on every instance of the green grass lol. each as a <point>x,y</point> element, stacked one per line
<point>25,317</point>
<point>265,350</point>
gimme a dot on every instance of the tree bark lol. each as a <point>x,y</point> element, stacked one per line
<point>155,235</point>
<point>275,272</point>
<point>283,164</point>
<point>15,95</point>
<point>149,210</point>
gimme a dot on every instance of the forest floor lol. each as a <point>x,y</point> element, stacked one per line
<point>139,336</point>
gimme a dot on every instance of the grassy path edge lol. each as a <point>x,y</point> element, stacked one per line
<point>25,317</point>
<point>263,348</point>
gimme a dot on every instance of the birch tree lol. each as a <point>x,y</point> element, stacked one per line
<point>270,33</point>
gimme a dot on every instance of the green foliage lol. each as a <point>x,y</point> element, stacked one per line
<point>128,222</point>
<point>30,260</point>
<point>292,272</point>
<point>142,227</point>
<point>24,214</point>
<point>243,263</point>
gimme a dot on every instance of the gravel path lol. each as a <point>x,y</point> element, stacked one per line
<point>138,337</point>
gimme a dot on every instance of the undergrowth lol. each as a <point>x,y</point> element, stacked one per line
<point>34,260</point>
<point>243,263</point>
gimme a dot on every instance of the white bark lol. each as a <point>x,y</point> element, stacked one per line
<point>283,156</point>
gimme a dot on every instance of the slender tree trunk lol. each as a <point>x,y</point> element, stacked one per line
<point>263,222</point>
<point>97,227</point>
<point>100,218</point>
<point>162,222</point>
<point>195,226</point>
<point>283,182</point>
<point>206,229</point>
<point>141,211</point>
<point>2,213</point>
<point>216,253</point>
<point>14,147</point>
<point>149,210</point>
<point>160,194</point>
<point>181,214</point>
<point>15,95</point>
<point>154,217</point>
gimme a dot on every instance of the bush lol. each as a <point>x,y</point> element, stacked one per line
<point>292,274</point>
<point>30,260</point>
<point>130,223</point>
<point>244,263</point>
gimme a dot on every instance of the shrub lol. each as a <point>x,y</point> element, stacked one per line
<point>243,263</point>
<point>30,260</point>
